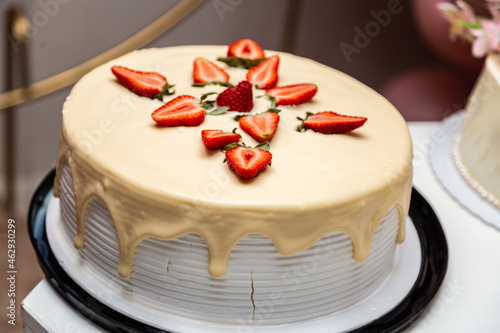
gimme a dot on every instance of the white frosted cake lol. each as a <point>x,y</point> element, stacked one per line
<point>167,224</point>
<point>477,148</point>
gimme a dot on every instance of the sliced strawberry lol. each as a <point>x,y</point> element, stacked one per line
<point>265,74</point>
<point>261,126</point>
<point>238,98</point>
<point>329,122</point>
<point>294,94</point>
<point>148,84</point>
<point>205,71</point>
<point>248,162</point>
<point>245,48</point>
<point>215,139</point>
<point>183,110</point>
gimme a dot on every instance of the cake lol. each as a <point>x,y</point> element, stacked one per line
<point>476,151</point>
<point>162,222</point>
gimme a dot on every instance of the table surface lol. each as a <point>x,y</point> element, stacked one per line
<point>468,301</point>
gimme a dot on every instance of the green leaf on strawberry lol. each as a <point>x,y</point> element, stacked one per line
<point>240,62</point>
<point>218,111</point>
<point>215,83</point>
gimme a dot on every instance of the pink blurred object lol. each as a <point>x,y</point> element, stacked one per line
<point>426,94</point>
<point>434,29</point>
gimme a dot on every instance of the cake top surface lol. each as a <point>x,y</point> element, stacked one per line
<point>115,127</point>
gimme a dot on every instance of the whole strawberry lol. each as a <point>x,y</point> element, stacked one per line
<point>237,98</point>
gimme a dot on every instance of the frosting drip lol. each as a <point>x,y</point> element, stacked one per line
<point>298,200</point>
<point>260,287</point>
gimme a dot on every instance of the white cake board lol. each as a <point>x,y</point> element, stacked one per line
<point>392,292</point>
<point>443,164</point>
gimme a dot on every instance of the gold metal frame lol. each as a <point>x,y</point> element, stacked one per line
<point>70,76</point>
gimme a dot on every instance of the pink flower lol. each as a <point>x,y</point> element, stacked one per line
<point>459,12</point>
<point>486,39</point>
<point>494,7</point>
<point>466,11</point>
<point>461,16</point>
<point>484,34</point>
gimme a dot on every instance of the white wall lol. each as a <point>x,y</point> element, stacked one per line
<point>75,31</point>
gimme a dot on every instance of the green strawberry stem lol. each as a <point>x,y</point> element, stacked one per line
<point>273,107</point>
<point>204,96</point>
<point>273,101</point>
<point>220,83</point>
<point>232,145</point>
<point>166,91</point>
<point>302,126</point>
<point>218,111</point>
<point>265,145</point>
<point>240,62</point>
<point>238,117</point>
<point>208,104</point>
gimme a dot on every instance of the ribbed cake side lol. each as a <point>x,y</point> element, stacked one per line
<point>261,287</point>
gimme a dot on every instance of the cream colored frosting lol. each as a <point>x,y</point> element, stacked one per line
<point>477,152</point>
<point>163,183</point>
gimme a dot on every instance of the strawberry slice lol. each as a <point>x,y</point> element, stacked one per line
<point>329,122</point>
<point>148,84</point>
<point>238,98</point>
<point>183,110</point>
<point>245,48</point>
<point>260,126</point>
<point>248,162</point>
<point>265,74</point>
<point>205,71</point>
<point>215,139</point>
<point>294,94</point>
